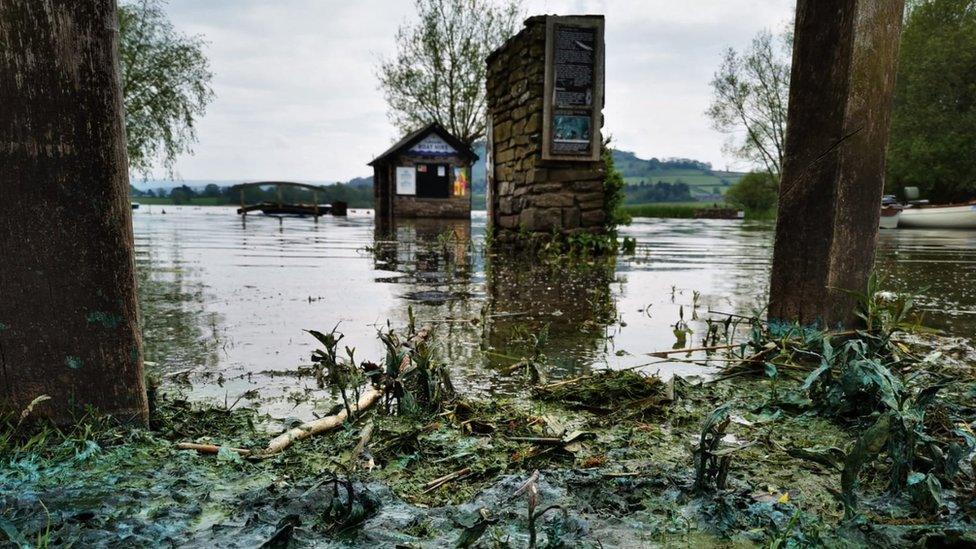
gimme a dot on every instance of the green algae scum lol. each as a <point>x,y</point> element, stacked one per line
<point>796,437</point>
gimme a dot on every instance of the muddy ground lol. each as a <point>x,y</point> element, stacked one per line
<point>618,457</point>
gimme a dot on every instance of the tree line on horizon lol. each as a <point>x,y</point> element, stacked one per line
<point>213,194</point>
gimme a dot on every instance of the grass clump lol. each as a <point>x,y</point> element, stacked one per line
<point>626,393</point>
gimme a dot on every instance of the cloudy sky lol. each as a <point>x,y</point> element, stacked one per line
<point>296,95</point>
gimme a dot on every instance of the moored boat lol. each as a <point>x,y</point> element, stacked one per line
<point>890,216</point>
<point>890,212</point>
<point>951,216</point>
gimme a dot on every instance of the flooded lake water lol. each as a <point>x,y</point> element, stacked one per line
<point>226,301</point>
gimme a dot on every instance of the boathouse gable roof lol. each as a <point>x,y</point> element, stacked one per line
<point>428,134</point>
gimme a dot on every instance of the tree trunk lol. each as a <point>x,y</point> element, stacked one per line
<point>845,56</point>
<point>68,308</point>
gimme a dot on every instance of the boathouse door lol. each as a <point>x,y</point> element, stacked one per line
<point>433,181</point>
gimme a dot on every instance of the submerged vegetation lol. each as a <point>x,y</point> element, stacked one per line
<point>805,437</point>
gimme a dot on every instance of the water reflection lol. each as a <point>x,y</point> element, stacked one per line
<point>939,268</point>
<point>560,309</point>
<point>228,300</point>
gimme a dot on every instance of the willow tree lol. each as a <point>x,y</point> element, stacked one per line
<point>165,85</point>
<point>750,93</point>
<point>438,71</point>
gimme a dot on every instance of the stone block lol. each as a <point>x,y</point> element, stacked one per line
<point>552,200</point>
<point>590,197</point>
<point>592,204</point>
<point>505,205</point>
<point>518,129</point>
<point>508,221</point>
<point>505,156</point>
<point>587,186</point>
<point>504,172</point>
<point>547,188</point>
<point>503,131</point>
<point>592,218</point>
<point>538,175</point>
<point>571,218</point>
<point>541,219</point>
<point>558,174</point>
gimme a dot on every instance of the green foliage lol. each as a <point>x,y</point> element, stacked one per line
<point>628,246</point>
<point>661,191</point>
<point>934,120</point>
<point>424,388</point>
<point>711,463</point>
<point>165,85</point>
<point>613,192</point>
<point>213,195</point>
<point>756,193</point>
<point>868,380</point>
<point>343,375</point>
<point>438,73</point>
<point>182,195</point>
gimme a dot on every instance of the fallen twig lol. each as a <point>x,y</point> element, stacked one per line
<point>663,354</point>
<point>210,448</point>
<point>545,441</point>
<point>328,423</point>
<point>438,482</point>
<point>323,425</point>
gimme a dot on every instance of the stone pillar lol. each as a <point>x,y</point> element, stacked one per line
<point>844,62</point>
<point>68,309</point>
<point>534,186</point>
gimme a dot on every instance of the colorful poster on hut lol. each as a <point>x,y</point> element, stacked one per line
<point>460,182</point>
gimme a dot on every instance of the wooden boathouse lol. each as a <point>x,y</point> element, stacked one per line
<point>425,174</point>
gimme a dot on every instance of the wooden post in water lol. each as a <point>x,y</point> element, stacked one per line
<point>844,60</point>
<point>69,324</point>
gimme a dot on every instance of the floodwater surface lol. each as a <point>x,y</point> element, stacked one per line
<point>226,302</point>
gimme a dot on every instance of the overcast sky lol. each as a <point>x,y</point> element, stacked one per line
<point>296,95</point>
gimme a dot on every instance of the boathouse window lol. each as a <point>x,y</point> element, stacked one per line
<point>433,181</point>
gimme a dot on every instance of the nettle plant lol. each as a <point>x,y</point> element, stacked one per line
<point>411,376</point>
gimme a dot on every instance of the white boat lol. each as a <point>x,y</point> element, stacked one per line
<point>890,216</point>
<point>952,216</point>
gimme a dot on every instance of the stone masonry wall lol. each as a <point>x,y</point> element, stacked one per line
<point>532,194</point>
<point>449,208</point>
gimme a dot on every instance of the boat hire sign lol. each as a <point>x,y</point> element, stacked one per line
<point>574,88</point>
<point>433,145</point>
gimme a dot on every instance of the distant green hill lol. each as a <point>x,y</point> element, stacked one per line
<point>704,183</point>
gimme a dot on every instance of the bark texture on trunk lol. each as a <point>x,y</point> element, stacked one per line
<point>845,57</point>
<point>68,308</point>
